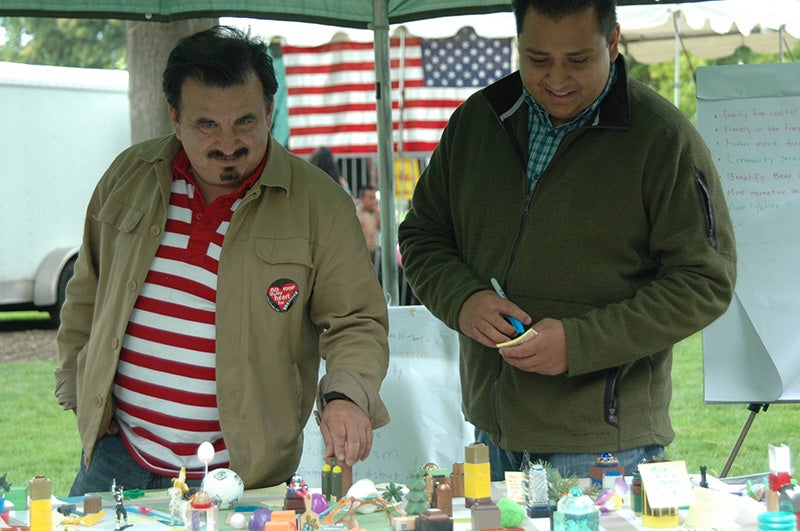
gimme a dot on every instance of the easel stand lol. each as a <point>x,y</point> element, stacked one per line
<point>754,409</point>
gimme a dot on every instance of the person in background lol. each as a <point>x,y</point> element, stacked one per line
<point>323,158</point>
<point>369,213</point>
<point>596,206</point>
<point>216,271</point>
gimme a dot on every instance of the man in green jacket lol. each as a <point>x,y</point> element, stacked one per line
<point>597,208</point>
<point>216,270</point>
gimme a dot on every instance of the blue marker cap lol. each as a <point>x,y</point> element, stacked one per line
<point>516,324</point>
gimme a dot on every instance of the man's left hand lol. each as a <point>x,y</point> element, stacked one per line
<point>347,431</point>
<point>544,354</point>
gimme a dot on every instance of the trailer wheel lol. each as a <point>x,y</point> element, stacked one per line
<point>61,295</point>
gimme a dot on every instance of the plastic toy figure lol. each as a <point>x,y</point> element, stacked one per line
<point>178,506</point>
<point>119,498</point>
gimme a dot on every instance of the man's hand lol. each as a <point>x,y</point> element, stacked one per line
<point>347,431</point>
<point>483,318</point>
<point>544,354</point>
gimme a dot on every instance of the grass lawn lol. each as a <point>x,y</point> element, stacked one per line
<point>705,434</point>
<point>36,437</point>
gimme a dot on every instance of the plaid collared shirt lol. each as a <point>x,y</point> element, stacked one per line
<point>543,138</point>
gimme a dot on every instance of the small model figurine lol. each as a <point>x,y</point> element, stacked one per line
<point>119,498</point>
<point>604,463</point>
<point>296,492</point>
<point>178,506</point>
<point>4,484</point>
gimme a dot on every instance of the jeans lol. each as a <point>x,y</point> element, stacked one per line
<point>567,464</point>
<point>113,462</point>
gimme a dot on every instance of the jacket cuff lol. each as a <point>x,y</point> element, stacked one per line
<point>66,390</point>
<point>354,387</point>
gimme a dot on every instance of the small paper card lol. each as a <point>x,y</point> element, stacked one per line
<point>712,510</point>
<point>667,484</point>
<point>514,486</point>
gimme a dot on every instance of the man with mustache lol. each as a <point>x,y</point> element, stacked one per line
<point>215,272</point>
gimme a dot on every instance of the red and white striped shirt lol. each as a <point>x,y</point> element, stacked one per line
<point>165,387</point>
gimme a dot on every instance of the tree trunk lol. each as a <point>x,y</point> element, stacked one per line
<point>149,45</point>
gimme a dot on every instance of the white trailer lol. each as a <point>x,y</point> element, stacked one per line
<point>61,128</point>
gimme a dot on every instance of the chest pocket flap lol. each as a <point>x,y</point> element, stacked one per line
<point>122,216</point>
<point>285,251</point>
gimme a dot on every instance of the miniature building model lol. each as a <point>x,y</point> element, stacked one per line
<point>477,473</point>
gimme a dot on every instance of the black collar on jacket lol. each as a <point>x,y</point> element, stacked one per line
<point>505,98</point>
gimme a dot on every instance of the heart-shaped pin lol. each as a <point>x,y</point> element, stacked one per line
<point>281,294</point>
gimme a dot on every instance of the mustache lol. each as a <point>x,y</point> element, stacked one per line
<point>217,154</point>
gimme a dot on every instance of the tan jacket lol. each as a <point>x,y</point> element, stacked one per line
<point>295,223</point>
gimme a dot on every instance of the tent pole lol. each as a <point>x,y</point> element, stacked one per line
<point>383,94</point>
<point>781,36</point>
<point>676,84</point>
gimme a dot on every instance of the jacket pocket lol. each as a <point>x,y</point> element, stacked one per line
<point>122,216</point>
<point>285,251</point>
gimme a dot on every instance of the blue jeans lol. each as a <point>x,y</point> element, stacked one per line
<point>112,461</point>
<point>567,464</point>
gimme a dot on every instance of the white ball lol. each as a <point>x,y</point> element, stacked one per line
<point>238,521</point>
<point>224,487</point>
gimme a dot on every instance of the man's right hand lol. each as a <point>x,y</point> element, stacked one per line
<point>483,318</point>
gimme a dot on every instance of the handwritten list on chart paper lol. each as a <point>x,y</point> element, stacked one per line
<point>755,142</point>
<point>749,115</point>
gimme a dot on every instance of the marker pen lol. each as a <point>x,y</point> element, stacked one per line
<point>514,322</point>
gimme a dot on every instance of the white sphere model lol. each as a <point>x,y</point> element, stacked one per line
<point>224,487</point>
<point>238,521</point>
<point>205,452</point>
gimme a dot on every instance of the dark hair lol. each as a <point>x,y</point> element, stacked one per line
<point>218,57</point>
<point>557,9</point>
<point>364,189</point>
<point>323,159</point>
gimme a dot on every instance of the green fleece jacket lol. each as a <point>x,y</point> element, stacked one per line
<point>295,223</point>
<point>626,239</point>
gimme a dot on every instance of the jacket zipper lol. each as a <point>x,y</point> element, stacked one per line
<point>522,160</point>
<point>515,248</point>
<point>611,399</point>
<point>707,206</point>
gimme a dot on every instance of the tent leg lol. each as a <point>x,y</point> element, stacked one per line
<point>383,91</point>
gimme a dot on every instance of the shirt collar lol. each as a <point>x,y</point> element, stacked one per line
<point>584,117</point>
<point>182,169</point>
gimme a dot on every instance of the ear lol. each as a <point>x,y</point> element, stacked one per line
<point>176,121</point>
<point>613,44</point>
<point>270,113</point>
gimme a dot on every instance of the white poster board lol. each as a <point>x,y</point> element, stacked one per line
<point>423,395</point>
<point>749,116</point>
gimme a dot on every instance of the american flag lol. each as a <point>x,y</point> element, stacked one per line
<point>331,89</point>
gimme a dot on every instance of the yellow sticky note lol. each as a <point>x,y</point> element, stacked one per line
<point>529,334</point>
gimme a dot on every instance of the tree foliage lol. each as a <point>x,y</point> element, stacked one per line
<point>661,76</point>
<point>86,43</point>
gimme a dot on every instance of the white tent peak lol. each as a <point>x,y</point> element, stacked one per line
<point>720,15</point>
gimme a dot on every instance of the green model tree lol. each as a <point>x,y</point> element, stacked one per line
<point>417,497</point>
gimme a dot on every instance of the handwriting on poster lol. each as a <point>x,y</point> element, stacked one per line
<point>756,147</point>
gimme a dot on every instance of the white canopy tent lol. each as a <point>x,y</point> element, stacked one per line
<point>709,30</point>
<point>650,33</point>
